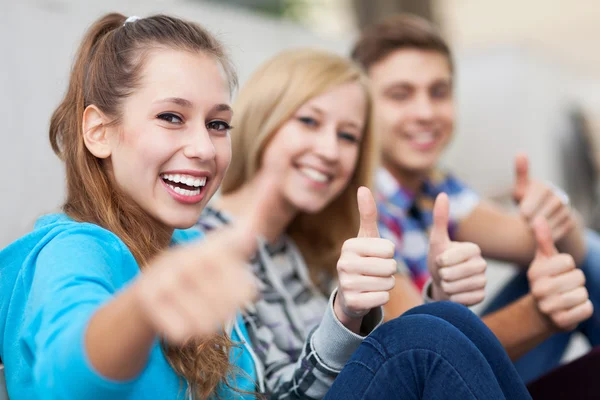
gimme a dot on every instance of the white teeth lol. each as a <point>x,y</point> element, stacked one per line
<point>424,138</point>
<point>185,179</point>
<point>185,192</point>
<point>315,175</point>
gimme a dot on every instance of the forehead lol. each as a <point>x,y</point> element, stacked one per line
<point>342,100</point>
<point>195,76</point>
<point>414,66</point>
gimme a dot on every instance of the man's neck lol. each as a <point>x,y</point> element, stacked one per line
<point>409,180</point>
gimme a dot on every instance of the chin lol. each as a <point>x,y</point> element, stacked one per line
<point>181,220</point>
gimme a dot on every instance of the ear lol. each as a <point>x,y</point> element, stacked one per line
<point>96,132</point>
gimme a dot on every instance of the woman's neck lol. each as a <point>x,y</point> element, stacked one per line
<point>236,204</point>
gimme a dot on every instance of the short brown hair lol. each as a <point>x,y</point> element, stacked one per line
<point>397,32</point>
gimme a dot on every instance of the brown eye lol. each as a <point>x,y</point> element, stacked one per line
<point>170,118</point>
<point>220,126</point>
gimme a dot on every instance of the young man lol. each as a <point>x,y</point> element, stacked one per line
<point>411,71</point>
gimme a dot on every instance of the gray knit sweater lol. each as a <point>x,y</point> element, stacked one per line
<point>299,345</point>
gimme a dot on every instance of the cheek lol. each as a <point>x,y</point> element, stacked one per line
<point>223,155</point>
<point>349,162</point>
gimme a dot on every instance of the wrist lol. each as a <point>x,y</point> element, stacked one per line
<point>353,323</point>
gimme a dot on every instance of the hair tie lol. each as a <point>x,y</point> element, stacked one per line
<point>133,18</point>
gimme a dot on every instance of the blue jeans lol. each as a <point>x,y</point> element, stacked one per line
<point>547,355</point>
<point>435,351</point>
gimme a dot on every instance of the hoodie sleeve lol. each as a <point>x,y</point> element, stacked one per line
<point>75,273</point>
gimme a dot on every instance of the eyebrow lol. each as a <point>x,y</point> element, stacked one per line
<point>222,107</point>
<point>177,100</point>
<point>188,104</point>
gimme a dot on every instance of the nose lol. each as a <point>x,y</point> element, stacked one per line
<point>327,144</point>
<point>423,107</point>
<point>199,145</point>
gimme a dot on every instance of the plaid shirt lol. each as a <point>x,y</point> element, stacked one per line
<point>405,218</point>
<point>299,345</point>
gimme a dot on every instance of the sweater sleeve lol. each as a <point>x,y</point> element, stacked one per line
<point>75,273</point>
<point>325,353</point>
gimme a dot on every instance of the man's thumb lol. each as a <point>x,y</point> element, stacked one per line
<point>521,176</point>
<point>368,213</point>
<point>441,215</point>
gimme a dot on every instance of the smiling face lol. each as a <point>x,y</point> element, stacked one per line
<point>172,147</point>
<point>318,148</point>
<point>413,109</point>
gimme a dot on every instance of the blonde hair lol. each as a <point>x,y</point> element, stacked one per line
<point>268,100</point>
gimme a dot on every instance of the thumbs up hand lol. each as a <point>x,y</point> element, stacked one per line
<point>366,266</point>
<point>538,199</point>
<point>457,268</point>
<point>556,284</point>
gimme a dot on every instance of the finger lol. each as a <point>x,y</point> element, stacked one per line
<point>369,266</point>
<point>521,176</point>
<point>369,247</point>
<point>463,270</point>
<point>362,283</point>
<point>469,299</point>
<point>550,267</point>
<point>367,300</point>
<point>551,285</point>
<point>551,206</point>
<point>458,253</point>
<point>543,237</point>
<point>564,301</point>
<point>170,321</point>
<point>367,209</point>
<point>533,200</point>
<point>572,317</point>
<point>559,217</point>
<point>470,284</point>
<point>562,230</point>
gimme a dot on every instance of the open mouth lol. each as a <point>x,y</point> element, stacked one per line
<point>315,175</point>
<point>185,185</point>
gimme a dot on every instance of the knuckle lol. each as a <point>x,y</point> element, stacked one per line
<point>389,247</point>
<point>537,290</point>
<point>385,298</point>
<point>391,266</point>
<point>567,260</point>
<point>482,281</point>
<point>579,276</point>
<point>445,286</point>
<point>347,245</point>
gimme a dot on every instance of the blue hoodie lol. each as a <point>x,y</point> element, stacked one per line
<point>52,281</point>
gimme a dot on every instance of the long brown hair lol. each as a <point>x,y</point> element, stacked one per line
<point>106,70</point>
<point>270,98</point>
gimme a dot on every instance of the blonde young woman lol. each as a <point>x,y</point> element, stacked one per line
<point>306,115</point>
